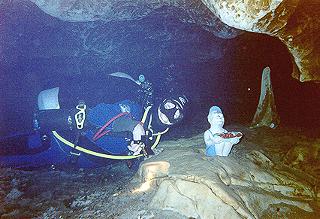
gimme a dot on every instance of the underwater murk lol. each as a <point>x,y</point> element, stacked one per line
<point>270,173</point>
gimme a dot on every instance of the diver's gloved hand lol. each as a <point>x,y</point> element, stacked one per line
<point>136,147</point>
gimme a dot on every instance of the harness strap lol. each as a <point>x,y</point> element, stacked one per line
<point>102,132</point>
<point>143,120</point>
<point>80,118</point>
<point>158,135</point>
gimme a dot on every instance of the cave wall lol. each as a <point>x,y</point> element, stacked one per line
<point>294,22</point>
<point>45,51</point>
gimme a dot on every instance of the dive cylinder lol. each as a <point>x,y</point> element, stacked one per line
<point>62,120</point>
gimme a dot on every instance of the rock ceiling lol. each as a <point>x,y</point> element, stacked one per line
<point>294,22</point>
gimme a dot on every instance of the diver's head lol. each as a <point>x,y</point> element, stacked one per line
<point>215,116</point>
<point>171,110</point>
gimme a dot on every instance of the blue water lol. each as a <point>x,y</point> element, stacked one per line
<point>40,52</point>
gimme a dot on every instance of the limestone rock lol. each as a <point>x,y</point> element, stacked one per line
<point>294,22</point>
<point>194,12</point>
<point>242,14</point>
<point>303,155</point>
<point>13,194</point>
<point>266,114</point>
<point>152,171</point>
<point>301,35</point>
<point>191,199</point>
<point>242,185</point>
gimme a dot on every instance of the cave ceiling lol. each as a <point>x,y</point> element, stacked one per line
<point>294,22</point>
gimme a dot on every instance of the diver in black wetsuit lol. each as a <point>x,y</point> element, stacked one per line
<point>88,135</point>
<point>144,131</point>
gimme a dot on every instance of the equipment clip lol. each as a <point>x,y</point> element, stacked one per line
<point>80,116</point>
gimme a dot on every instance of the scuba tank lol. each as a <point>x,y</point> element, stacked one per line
<point>49,116</point>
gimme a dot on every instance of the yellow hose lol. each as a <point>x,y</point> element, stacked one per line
<point>108,156</point>
<point>93,153</point>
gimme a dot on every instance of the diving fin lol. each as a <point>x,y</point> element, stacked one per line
<point>124,75</point>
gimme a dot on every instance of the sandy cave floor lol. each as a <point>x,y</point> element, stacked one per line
<point>111,192</point>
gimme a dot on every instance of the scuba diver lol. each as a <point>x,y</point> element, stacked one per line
<point>92,136</point>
